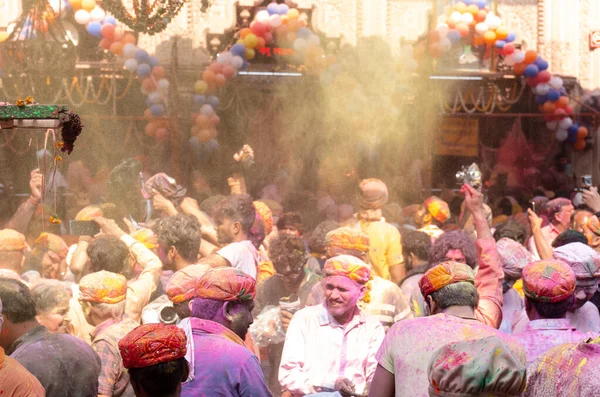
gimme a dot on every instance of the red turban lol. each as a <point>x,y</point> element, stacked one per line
<point>182,286</point>
<point>152,344</point>
<point>348,266</point>
<point>438,209</point>
<point>444,274</point>
<point>103,287</point>
<point>548,281</point>
<point>226,284</point>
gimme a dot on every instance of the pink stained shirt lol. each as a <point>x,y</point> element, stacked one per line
<point>550,233</point>
<point>542,335</point>
<point>318,351</point>
<point>585,319</point>
<point>409,345</point>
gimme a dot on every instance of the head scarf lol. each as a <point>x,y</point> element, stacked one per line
<point>584,261</point>
<point>11,240</point>
<point>475,368</point>
<point>146,237</point>
<point>373,194</point>
<point>348,266</point>
<point>548,281</point>
<point>226,284</point>
<point>164,185</point>
<point>513,257</point>
<point>556,205</point>
<point>438,209</point>
<point>444,274</point>
<point>48,242</point>
<point>152,344</point>
<point>103,287</point>
<point>89,213</point>
<point>348,238</point>
<point>182,286</point>
<point>266,215</point>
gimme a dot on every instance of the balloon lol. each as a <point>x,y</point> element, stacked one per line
<point>502,33</point>
<point>509,60</point>
<point>259,28</point>
<point>229,71</point>
<point>556,82</point>
<point>530,57</point>
<point>511,37</point>
<point>273,8</point>
<point>519,56</point>
<point>509,49</point>
<point>565,123</point>
<point>489,37</point>
<point>199,100</point>
<point>553,95</point>
<point>463,29</point>
<point>75,5</point>
<point>582,133</point>
<point>472,9</point>
<point>110,20</point>
<point>220,80</point>
<point>202,122</point>
<point>237,61</point>
<point>263,16</point>
<point>239,50</point>
<point>481,4</point>
<point>250,41</point>
<point>500,45</point>
<point>200,87</point>
<point>225,58</point>
<point>155,97</point>
<point>215,67</point>
<point>105,44</point>
<point>157,110</point>
<point>531,71</point>
<point>562,135</point>
<point>541,63</point>
<point>215,120</point>
<point>300,45</point>
<point>542,88</point>
<point>97,14</point>
<point>544,76</point>
<point>291,13</point>
<point>158,72</point>
<point>445,44</point>
<point>151,128</point>
<point>116,47</point>
<point>209,76</point>
<point>207,110</point>
<point>531,81</point>
<point>82,17</point>
<point>142,56</point>
<point>562,102</point>
<point>213,101</point>
<point>131,65</point>
<point>559,114</point>
<point>304,33</point>
<point>580,145</point>
<point>519,68</point>
<point>275,21</point>
<point>148,85</point>
<point>143,70</point>
<point>467,18</point>
<point>250,54</point>
<point>162,134</point>
<point>552,125</point>
<point>147,114</point>
<point>153,61</point>
<point>88,5</point>
<point>205,135</point>
<point>549,107</point>
<point>442,29</point>
<point>94,29</point>
<point>454,36</point>
<point>129,50</point>
<point>245,32</point>
<point>569,110</point>
<point>493,21</point>
<point>107,31</point>
<point>261,43</point>
<point>128,38</point>
<point>456,17</point>
<point>460,7</point>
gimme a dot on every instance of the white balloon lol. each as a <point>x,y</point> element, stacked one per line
<point>518,56</point>
<point>129,50</point>
<point>300,45</point>
<point>481,28</point>
<point>155,97</point>
<point>509,60</point>
<point>467,18</point>
<point>207,110</point>
<point>446,44</point>
<point>237,62</point>
<point>163,84</point>
<point>494,23</point>
<point>225,58</point>
<point>565,123</point>
<point>442,29</point>
<point>552,125</point>
<point>97,14</point>
<point>275,21</point>
<point>542,89</point>
<point>82,17</point>
<point>314,41</point>
<point>562,135</point>
<point>263,16</point>
<point>556,82</point>
<point>456,17</point>
<point>131,65</point>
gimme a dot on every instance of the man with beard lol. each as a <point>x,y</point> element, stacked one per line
<point>331,347</point>
<point>221,315</point>
<point>292,280</point>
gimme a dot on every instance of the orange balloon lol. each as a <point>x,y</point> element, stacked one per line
<point>489,37</point>
<point>128,38</point>
<point>75,4</point>
<point>220,80</point>
<point>209,77</point>
<point>148,85</point>
<point>151,128</point>
<point>434,36</point>
<point>293,25</point>
<point>158,72</point>
<point>245,32</point>
<point>530,56</point>
<point>519,68</point>
<point>562,102</point>
<point>502,33</point>
<point>202,122</point>
<point>580,144</point>
<point>463,29</point>
<point>260,43</point>
<point>582,133</point>
<point>229,71</point>
<point>216,67</point>
<point>477,41</point>
<point>205,135</point>
<point>215,120</point>
<point>460,7</point>
<point>473,9</point>
<point>451,24</point>
<point>481,15</point>
<point>148,115</point>
<point>116,48</point>
<point>549,107</point>
<point>302,23</point>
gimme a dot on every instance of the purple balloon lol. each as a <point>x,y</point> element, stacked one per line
<point>531,70</point>
<point>553,95</point>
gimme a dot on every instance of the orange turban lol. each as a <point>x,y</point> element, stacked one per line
<point>103,287</point>
<point>348,266</point>
<point>89,213</point>
<point>146,237</point>
<point>265,214</point>
<point>373,194</point>
<point>49,242</point>
<point>548,281</point>
<point>182,286</point>
<point>348,238</point>
<point>438,208</point>
<point>11,240</point>
<point>444,274</point>
<point>226,284</point>
<point>152,344</point>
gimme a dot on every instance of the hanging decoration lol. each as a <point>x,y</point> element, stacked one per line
<point>150,16</point>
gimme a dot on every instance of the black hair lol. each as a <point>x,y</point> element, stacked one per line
<point>18,305</point>
<point>552,310</point>
<point>568,237</point>
<point>160,380</point>
<point>318,242</point>
<point>108,253</point>
<point>457,294</point>
<point>505,207</point>
<point>287,250</point>
<point>457,240</point>
<point>182,232</point>
<point>291,219</point>
<point>238,208</point>
<point>208,206</point>
<point>416,243</point>
<point>511,229</point>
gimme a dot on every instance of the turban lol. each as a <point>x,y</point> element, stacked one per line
<point>348,238</point>
<point>166,186</point>
<point>594,225</point>
<point>264,212</point>
<point>103,287</point>
<point>556,205</point>
<point>513,257</point>
<point>226,284</point>
<point>444,274</point>
<point>146,237</point>
<point>348,266</point>
<point>89,213</point>
<point>182,286</point>
<point>273,205</point>
<point>48,242</point>
<point>373,194</point>
<point>584,261</point>
<point>548,281</point>
<point>11,240</point>
<point>438,208</point>
<point>476,368</point>
<point>152,344</point>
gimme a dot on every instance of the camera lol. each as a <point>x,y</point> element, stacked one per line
<point>470,175</point>
<point>168,315</point>
<point>585,183</point>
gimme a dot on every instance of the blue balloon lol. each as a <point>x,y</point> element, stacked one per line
<point>481,4</point>
<point>469,2</point>
<point>142,56</point>
<point>541,64</point>
<point>573,129</point>
<point>553,95</point>
<point>283,9</point>
<point>541,99</point>
<point>454,36</point>
<point>304,33</point>
<point>212,145</point>
<point>572,138</point>
<point>510,38</point>
<point>500,44</point>
<point>273,8</point>
<point>531,70</point>
<point>110,20</point>
<point>195,144</point>
<point>94,28</point>
<point>244,65</point>
<point>213,101</point>
<point>157,110</point>
<point>199,100</point>
<point>239,50</point>
<point>153,61</point>
<point>143,70</point>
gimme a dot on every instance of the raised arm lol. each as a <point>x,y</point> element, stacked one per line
<point>21,218</point>
<point>543,248</point>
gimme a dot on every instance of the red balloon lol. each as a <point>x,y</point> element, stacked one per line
<point>220,80</point>
<point>215,120</point>
<point>268,37</point>
<point>532,81</point>
<point>158,72</point>
<point>258,29</point>
<point>216,67</point>
<point>105,44</point>
<point>544,76</point>
<point>519,68</point>
<point>569,110</point>
<point>162,134</point>
<point>107,31</point>
<point>148,85</point>
<point>229,71</point>
<point>559,114</point>
<point>463,29</point>
<point>508,49</point>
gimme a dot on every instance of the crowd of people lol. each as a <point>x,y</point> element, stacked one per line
<point>154,294</point>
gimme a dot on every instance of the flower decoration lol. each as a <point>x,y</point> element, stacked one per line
<point>29,100</point>
<point>20,102</point>
<point>151,17</point>
<point>70,131</point>
<point>55,220</point>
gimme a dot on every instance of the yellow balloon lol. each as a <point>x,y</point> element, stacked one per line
<point>200,87</point>
<point>75,4</point>
<point>250,54</point>
<point>88,5</point>
<point>3,36</point>
<point>293,13</point>
<point>251,40</point>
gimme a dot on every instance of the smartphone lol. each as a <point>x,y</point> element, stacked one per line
<point>533,206</point>
<point>586,181</point>
<point>84,228</point>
